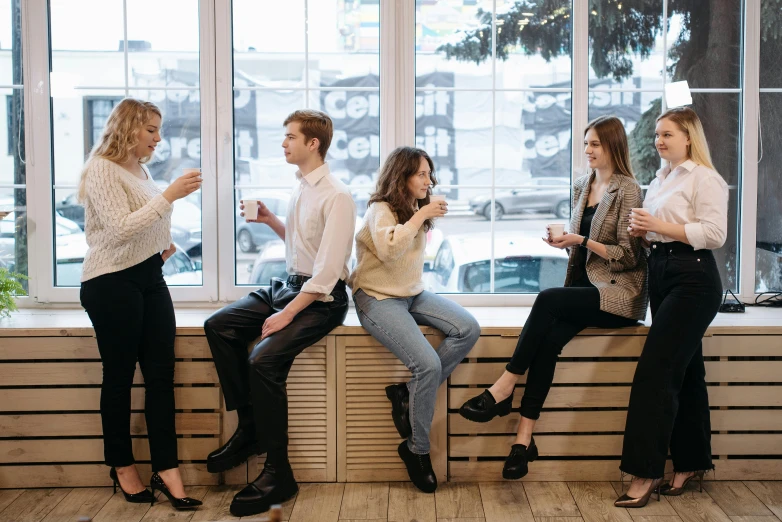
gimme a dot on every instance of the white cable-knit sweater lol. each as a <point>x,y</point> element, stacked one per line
<point>126,219</point>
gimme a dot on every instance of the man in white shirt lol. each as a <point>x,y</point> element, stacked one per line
<point>289,315</point>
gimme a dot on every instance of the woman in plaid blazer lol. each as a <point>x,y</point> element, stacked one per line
<point>605,287</point>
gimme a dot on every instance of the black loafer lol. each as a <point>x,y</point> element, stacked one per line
<point>419,468</point>
<point>516,463</point>
<point>273,486</point>
<point>400,408</point>
<point>483,408</point>
<point>241,446</point>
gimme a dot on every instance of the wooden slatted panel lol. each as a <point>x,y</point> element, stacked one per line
<point>89,425</point>
<point>311,416</point>
<point>88,399</point>
<point>368,440</point>
<point>40,348</point>
<point>79,373</point>
<point>602,381</point>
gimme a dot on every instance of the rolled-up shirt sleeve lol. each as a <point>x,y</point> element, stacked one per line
<point>711,212</point>
<point>335,246</point>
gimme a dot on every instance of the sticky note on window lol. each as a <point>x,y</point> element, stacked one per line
<point>677,94</point>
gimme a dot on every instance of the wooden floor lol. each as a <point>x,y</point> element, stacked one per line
<point>401,502</point>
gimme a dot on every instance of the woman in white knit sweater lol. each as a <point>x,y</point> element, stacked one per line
<point>127,224</point>
<point>391,301</point>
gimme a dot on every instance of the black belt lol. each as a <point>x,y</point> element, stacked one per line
<point>298,280</point>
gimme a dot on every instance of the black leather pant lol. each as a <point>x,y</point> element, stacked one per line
<point>260,378</point>
<point>669,402</point>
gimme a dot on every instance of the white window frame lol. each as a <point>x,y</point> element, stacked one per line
<point>39,153</point>
<point>397,125</point>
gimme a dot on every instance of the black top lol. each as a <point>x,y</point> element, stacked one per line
<point>580,277</point>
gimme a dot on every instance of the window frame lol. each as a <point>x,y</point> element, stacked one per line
<point>397,127</point>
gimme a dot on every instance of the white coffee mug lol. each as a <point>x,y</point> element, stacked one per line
<point>436,197</point>
<point>556,230</point>
<point>250,209</point>
<point>190,170</point>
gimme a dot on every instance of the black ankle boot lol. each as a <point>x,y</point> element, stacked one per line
<point>241,446</point>
<point>274,485</point>
<point>419,468</point>
<point>516,463</point>
<point>484,408</point>
<point>400,408</point>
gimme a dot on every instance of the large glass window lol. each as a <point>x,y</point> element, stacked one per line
<point>13,177</point>
<point>768,253</point>
<point>131,52</point>
<point>634,51</point>
<point>493,109</point>
<point>325,57</point>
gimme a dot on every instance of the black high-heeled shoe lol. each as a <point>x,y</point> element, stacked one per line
<point>156,483</point>
<point>484,408</point>
<point>626,501</point>
<point>668,489</point>
<point>142,497</point>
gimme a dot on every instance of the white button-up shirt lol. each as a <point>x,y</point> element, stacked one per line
<point>319,231</point>
<point>694,196</point>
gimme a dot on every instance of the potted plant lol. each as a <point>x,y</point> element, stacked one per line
<point>10,287</point>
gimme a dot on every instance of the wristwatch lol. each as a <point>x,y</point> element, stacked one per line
<point>584,242</point>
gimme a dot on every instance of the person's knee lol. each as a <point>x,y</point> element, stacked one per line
<point>471,331</point>
<point>430,367</point>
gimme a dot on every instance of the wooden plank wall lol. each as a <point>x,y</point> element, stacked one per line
<point>50,428</point>
<point>367,438</point>
<point>579,434</point>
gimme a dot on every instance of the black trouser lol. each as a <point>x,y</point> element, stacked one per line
<point>133,317</point>
<point>669,403</point>
<point>557,316</point>
<point>260,378</point>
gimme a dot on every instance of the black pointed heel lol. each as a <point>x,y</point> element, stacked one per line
<point>142,497</point>
<point>484,408</point>
<point>156,483</point>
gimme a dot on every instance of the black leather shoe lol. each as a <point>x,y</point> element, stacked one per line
<point>273,486</point>
<point>483,408</point>
<point>516,463</point>
<point>419,468</point>
<point>400,408</point>
<point>241,446</point>
<point>180,504</point>
<point>142,497</point>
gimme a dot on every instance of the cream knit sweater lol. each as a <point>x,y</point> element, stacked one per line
<point>390,256</point>
<point>126,219</point>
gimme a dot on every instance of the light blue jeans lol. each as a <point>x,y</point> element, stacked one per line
<point>394,322</point>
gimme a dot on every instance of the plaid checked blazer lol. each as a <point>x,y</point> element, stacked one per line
<point>621,279</point>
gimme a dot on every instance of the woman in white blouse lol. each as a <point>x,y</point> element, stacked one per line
<point>684,218</point>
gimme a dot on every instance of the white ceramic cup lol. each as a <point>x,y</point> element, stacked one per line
<point>189,170</point>
<point>556,229</point>
<point>250,209</point>
<point>436,197</point>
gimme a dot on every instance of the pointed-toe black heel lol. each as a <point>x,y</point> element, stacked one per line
<point>516,464</point>
<point>142,497</point>
<point>484,408</point>
<point>156,483</point>
<point>670,491</point>
<point>626,501</point>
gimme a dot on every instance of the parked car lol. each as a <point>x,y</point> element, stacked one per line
<point>71,209</point>
<point>550,195</point>
<point>251,236</point>
<point>521,264</point>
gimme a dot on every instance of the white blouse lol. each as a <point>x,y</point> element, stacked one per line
<point>694,196</point>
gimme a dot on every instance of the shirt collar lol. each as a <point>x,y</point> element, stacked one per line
<point>316,175</point>
<point>688,165</point>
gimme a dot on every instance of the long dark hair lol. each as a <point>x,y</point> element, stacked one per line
<point>402,163</point>
<point>614,139</point>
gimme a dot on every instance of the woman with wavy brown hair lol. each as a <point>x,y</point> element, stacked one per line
<point>391,302</point>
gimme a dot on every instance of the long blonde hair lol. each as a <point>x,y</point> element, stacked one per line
<point>120,135</point>
<point>688,122</point>
<point>614,139</point>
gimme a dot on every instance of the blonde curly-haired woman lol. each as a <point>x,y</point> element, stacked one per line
<point>128,229</point>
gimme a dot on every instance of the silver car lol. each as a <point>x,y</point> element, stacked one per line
<point>547,195</point>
